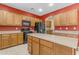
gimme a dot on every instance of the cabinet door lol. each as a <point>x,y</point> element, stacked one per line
<point>57,20</point>
<point>32,21</point>
<point>29,41</point>
<point>14,39</point>
<point>45,50</point>
<point>45,47</point>
<point>4,16</point>
<point>17,19</point>
<point>35,46</point>
<point>5,40</point>
<point>20,38</point>
<point>9,18</point>
<point>72,17</point>
<point>1,17</point>
<point>63,50</point>
<point>0,41</point>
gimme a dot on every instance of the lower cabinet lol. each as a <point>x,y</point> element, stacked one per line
<point>14,39</point>
<point>8,40</point>
<point>45,50</point>
<point>5,40</point>
<point>38,46</point>
<point>29,42</point>
<point>45,47</point>
<point>63,50</point>
<point>35,46</point>
<point>20,38</point>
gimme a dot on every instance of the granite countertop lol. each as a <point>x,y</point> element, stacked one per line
<point>66,41</point>
<point>9,32</point>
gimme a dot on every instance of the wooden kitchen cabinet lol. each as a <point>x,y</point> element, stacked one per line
<point>61,50</point>
<point>14,39</point>
<point>45,50</point>
<point>35,46</point>
<point>1,17</point>
<point>29,42</point>
<point>32,22</point>
<point>5,40</point>
<point>0,41</point>
<point>67,18</point>
<point>9,18</point>
<point>20,38</point>
<point>48,24</point>
<point>57,20</point>
<point>17,19</point>
<point>72,17</point>
<point>46,47</point>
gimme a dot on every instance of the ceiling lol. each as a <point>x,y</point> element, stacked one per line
<point>33,7</point>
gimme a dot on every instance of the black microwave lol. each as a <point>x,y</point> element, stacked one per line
<point>26,23</point>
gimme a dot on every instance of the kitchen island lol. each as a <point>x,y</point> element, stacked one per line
<point>46,44</point>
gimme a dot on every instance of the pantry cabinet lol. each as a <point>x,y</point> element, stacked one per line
<point>66,18</point>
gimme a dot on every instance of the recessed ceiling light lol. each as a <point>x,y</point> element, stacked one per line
<point>51,4</point>
<point>40,9</point>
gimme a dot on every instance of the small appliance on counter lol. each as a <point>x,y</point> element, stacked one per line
<point>39,27</point>
<point>26,29</point>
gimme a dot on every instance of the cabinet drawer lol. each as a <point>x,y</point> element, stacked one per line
<point>46,43</point>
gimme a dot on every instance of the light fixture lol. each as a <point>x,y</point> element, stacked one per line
<point>40,9</point>
<point>51,4</point>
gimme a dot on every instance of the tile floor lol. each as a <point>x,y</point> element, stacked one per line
<point>16,50</point>
<point>19,50</point>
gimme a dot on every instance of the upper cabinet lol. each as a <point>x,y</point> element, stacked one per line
<point>66,18</point>
<point>57,20</point>
<point>18,19</point>
<point>13,19</point>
